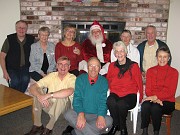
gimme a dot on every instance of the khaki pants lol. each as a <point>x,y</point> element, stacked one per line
<point>57,107</point>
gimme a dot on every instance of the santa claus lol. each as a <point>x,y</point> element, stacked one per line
<point>96,46</point>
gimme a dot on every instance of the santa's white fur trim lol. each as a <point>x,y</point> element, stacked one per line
<point>93,27</point>
<point>103,45</point>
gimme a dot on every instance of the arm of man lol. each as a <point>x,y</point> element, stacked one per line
<point>3,66</point>
<point>35,90</point>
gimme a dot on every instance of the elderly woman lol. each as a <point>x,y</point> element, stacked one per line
<point>133,52</point>
<point>124,78</point>
<point>42,57</point>
<point>69,48</point>
<point>160,90</point>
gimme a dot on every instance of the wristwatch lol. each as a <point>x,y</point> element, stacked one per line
<point>52,94</point>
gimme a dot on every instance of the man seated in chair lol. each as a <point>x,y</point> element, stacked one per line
<point>60,86</point>
<point>89,103</point>
<point>96,45</point>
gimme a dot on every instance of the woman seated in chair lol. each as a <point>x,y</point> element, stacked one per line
<point>42,57</point>
<point>124,78</point>
<point>161,84</point>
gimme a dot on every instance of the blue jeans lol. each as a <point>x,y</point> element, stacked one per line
<point>19,78</point>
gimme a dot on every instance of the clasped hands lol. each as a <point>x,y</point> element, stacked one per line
<point>43,99</point>
<point>153,99</point>
<point>81,122</point>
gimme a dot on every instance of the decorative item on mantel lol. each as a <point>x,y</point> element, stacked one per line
<point>117,1</point>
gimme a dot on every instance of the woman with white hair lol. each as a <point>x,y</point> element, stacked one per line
<point>124,79</point>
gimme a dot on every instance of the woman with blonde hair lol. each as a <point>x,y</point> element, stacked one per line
<point>69,48</point>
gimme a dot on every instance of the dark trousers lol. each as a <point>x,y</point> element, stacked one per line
<point>119,106</point>
<point>75,72</point>
<point>35,76</point>
<point>155,111</point>
<point>19,78</point>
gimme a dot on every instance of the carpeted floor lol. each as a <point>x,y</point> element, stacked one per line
<point>20,122</point>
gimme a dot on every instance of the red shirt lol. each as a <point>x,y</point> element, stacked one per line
<point>128,84</point>
<point>162,82</point>
<point>61,50</point>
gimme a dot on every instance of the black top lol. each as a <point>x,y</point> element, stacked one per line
<point>45,64</point>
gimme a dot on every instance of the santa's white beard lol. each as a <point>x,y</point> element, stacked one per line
<point>96,41</point>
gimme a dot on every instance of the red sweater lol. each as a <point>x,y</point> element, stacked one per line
<point>127,84</point>
<point>162,82</point>
<point>62,50</point>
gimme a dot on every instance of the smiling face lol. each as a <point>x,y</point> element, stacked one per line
<point>21,29</point>
<point>70,33</point>
<point>43,36</point>
<point>63,67</point>
<point>126,38</point>
<point>93,68</point>
<point>162,58</point>
<point>151,35</point>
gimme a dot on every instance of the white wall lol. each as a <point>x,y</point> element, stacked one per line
<point>10,13</point>
<point>173,36</point>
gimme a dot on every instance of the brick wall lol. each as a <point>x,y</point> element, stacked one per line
<point>136,13</point>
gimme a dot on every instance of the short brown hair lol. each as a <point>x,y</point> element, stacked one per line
<point>62,58</point>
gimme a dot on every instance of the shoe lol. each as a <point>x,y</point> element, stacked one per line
<point>156,132</point>
<point>67,131</point>
<point>35,130</point>
<point>46,131</point>
<point>112,131</point>
<point>145,131</point>
<point>124,131</point>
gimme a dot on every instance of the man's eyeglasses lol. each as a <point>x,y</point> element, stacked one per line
<point>63,65</point>
<point>93,66</point>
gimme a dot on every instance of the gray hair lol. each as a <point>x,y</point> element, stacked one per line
<point>120,43</point>
<point>44,29</point>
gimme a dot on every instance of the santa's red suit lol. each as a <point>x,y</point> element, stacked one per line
<point>102,51</point>
<point>89,50</point>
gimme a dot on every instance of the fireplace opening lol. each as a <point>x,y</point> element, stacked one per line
<point>111,29</point>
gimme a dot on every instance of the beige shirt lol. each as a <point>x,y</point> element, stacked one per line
<point>149,58</point>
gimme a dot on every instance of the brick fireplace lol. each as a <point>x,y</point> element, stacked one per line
<point>136,13</point>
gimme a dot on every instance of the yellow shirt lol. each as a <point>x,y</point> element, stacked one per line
<point>149,58</point>
<point>53,83</point>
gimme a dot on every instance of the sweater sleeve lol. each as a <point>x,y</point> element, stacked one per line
<point>169,89</point>
<point>102,107</point>
<point>57,51</point>
<point>78,96</point>
<point>34,59</point>
<point>138,79</point>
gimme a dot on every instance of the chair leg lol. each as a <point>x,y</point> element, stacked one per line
<point>168,125</point>
<point>135,115</point>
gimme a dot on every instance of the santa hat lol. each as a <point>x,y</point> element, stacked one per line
<point>96,25</point>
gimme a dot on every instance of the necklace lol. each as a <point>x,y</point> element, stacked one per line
<point>162,78</point>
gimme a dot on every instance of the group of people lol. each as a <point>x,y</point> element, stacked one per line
<point>78,78</point>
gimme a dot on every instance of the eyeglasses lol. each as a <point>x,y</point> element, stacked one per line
<point>93,66</point>
<point>70,31</point>
<point>63,65</point>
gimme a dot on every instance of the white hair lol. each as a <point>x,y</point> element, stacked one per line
<point>96,41</point>
<point>120,43</point>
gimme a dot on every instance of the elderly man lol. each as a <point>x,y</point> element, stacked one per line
<point>88,116</point>
<point>96,46</point>
<point>14,57</point>
<point>60,86</point>
<point>147,49</point>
